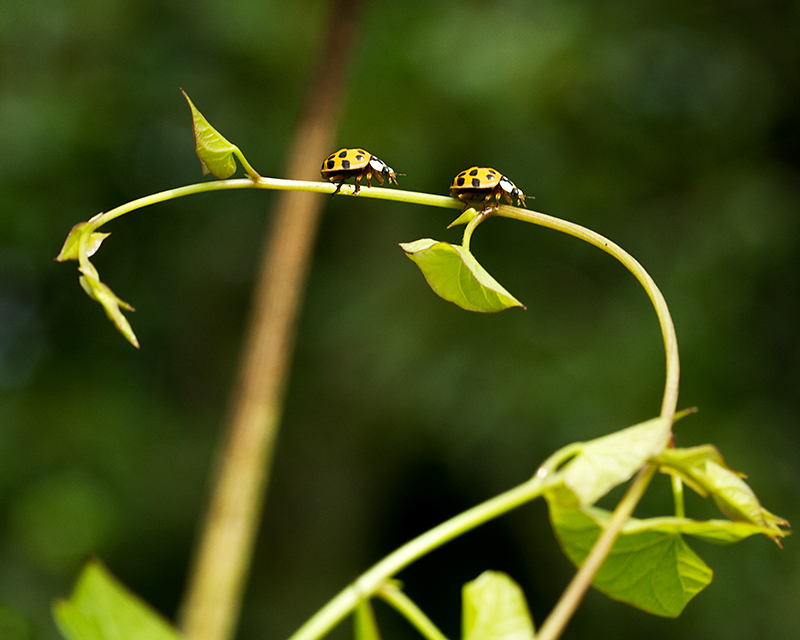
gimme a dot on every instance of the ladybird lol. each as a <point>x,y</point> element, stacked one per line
<point>484,183</point>
<point>358,164</point>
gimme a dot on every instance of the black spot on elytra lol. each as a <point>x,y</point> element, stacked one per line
<point>476,182</point>
<point>474,172</point>
<point>460,181</point>
<point>343,153</point>
<point>345,164</point>
<point>359,157</point>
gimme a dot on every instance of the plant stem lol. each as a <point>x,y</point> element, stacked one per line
<point>677,496</point>
<point>409,609</point>
<point>670,398</point>
<point>371,581</point>
<point>273,184</point>
<point>556,622</point>
<point>221,565</point>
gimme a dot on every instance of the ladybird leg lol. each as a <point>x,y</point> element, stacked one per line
<point>339,186</point>
<point>358,186</point>
<point>379,177</point>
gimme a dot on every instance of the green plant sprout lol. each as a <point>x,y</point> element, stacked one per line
<point>646,563</point>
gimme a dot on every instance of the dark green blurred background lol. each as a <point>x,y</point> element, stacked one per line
<point>671,127</point>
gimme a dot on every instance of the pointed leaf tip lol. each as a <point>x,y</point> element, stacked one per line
<point>215,152</point>
<point>103,294</point>
<point>456,276</point>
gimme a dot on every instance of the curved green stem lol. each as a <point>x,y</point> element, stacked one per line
<point>371,581</point>
<point>670,398</point>
<point>278,184</point>
<point>410,611</point>
<point>471,226</point>
<point>555,623</point>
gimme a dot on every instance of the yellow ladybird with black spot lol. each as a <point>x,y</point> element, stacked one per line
<point>358,164</point>
<point>485,183</point>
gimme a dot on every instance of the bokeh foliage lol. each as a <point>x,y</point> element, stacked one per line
<point>672,128</point>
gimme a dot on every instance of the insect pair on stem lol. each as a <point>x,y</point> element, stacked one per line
<point>473,184</point>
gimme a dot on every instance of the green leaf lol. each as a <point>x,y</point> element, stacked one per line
<point>705,471</point>
<point>465,218</point>
<point>70,249</point>
<point>100,608</point>
<point>111,303</point>
<point>606,462</point>
<point>455,275</point>
<point>736,499</point>
<point>215,152</point>
<point>649,567</point>
<point>495,609</point>
<point>716,531</point>
<point>366,628</point>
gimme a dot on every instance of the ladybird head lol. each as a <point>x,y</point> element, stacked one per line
<point>384,169</point>
<point>512,192</point>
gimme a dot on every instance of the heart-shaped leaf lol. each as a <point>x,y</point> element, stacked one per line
<point>651,568</point>
<point>455,275</point>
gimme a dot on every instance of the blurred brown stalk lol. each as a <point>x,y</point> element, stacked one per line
<point>212,602</point>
